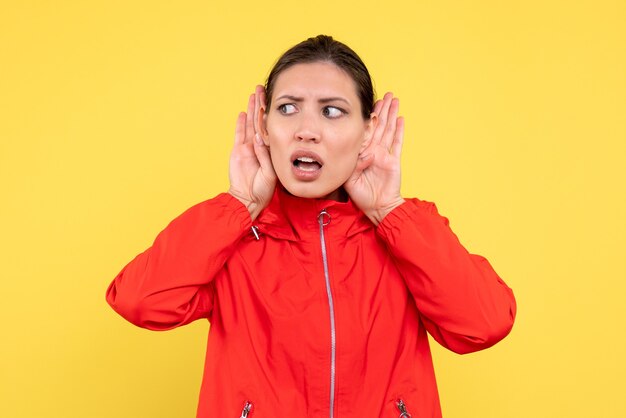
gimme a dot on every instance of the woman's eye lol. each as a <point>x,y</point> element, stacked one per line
<point>287,109</point>
<point>332,112</point>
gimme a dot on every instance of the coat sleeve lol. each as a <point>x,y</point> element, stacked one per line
<point>464,305</point>
<point>171,283</point>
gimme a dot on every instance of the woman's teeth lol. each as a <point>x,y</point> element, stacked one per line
<point>307,164</point>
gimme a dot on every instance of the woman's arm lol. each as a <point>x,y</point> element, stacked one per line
<point>465,306</point>
<point>170,284</point>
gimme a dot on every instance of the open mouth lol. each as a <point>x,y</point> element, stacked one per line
<point>307,164</point>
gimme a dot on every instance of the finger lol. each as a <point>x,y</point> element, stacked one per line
<point>382,118</point>
<point>392,121</point>
<point>377,106</point>
<point>263,155</point>
<point>396,147</point>
<point>263,97</point>
<point>383,109</point>
<point>249,136</point>
<point>257,107</point>
<point>240,128</point>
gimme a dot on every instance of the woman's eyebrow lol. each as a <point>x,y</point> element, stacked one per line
<point>333,99</point>
<point>322,100</point>
<point>290,97</point>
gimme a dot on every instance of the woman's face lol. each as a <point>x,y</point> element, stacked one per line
<point>315,129</point>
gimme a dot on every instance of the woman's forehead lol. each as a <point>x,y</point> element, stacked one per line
<point>314,81</point>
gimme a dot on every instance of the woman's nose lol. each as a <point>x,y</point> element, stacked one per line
<point>307,129</point>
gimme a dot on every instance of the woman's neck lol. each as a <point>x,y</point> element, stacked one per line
<point>339,195</point>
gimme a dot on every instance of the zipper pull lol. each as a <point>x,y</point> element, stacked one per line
<point>246,409</point>
<point>320,218</point>
<point>402,407</point>
<point>255,231</point>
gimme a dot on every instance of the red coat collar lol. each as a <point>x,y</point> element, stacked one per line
<point>296,218</point>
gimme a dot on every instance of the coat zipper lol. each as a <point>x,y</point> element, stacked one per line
<point>246,409</point>
<point>402,408</point>
<point>331,308</point>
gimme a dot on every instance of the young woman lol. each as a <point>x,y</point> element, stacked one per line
<point>319,279</point>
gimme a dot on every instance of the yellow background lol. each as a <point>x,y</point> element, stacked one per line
<point>115,116</point>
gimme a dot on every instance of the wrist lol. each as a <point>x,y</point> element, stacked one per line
<point>377,215</point>
<point>252,207</point>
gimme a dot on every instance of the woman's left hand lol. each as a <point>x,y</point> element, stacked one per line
<point>374,186</point>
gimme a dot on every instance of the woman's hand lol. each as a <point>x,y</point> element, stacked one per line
<point>251,174</point>
<point>374,186</point>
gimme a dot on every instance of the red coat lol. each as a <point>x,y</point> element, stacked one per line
<point>311,320</point>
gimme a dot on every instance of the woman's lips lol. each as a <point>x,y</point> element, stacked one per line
<point>309,173</point>
<point>306,165</point>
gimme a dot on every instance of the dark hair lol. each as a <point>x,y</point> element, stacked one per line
<point>325,49</point>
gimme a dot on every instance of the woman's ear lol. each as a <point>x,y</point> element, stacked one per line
<point>370,128</point>
<point>262,124</point>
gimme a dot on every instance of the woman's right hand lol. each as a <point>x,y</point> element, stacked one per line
<point>251,173</point>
